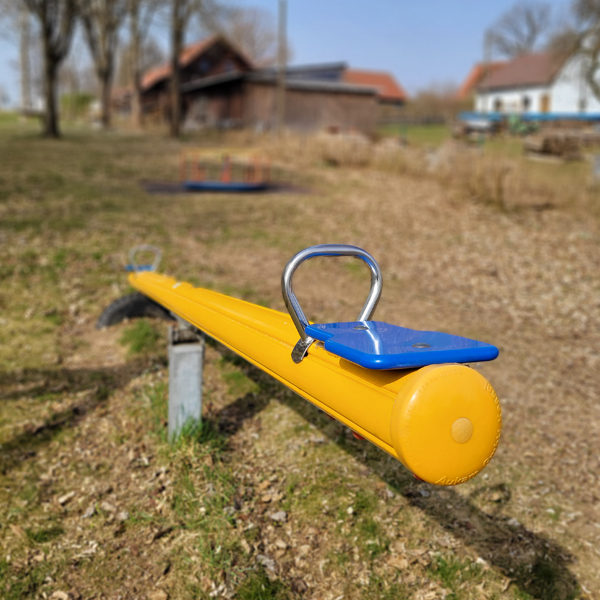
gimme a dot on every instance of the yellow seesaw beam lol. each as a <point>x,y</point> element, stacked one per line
<point>441,421</point>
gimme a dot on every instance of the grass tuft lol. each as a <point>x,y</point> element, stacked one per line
<point>205,433</point>
<point>380,589</point>
<point>258,586</point>
<point>238,384</point>
<point>453,572</point>
<point>16,585</point>
<point>141,337</point>
<point>42,536</point>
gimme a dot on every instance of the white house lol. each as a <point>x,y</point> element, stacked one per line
<point>538,83</point>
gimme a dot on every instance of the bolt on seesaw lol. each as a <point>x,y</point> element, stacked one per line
<point>406,391</point>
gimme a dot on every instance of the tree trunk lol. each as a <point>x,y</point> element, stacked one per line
<point>56,23</point>
<point>177,26</point>
<point>105,89</point>
<point>51,113</point>
<point>136,75</point>
<point>136,100</point>
<point>25,60</point>
<point>593,66</point>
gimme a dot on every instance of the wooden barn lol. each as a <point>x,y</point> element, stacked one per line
<point>249,100</point>
<point>221,88</point>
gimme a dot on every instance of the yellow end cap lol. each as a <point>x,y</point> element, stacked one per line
<point>446,423</point>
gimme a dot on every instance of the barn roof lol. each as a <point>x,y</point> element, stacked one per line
<point>188,55</point>
<point>268,76</point>
<point>316,68</point>
<point>525,70</point>
<point>314,85</point>
<point>385,83</point>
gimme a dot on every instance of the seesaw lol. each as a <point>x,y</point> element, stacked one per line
<point>407,391</point>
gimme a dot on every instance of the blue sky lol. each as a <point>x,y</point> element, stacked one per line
<point>422,42</point>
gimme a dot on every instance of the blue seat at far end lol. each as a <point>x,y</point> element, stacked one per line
<point>132,268</point>
<point>377,345</point>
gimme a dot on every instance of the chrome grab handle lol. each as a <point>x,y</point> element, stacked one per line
<point>144,248</point>
<point>292,304</point>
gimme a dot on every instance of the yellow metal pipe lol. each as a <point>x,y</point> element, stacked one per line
<point>441,421</point>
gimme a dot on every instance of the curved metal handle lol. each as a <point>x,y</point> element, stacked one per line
<point>144,248</point>
<point>292,304</point>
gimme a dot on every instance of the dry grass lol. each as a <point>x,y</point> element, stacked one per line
<point>494,175</point>
<point>82,420</point>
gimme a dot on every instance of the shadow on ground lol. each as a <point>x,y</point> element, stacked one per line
<point>535,564</point>
<point>92,387</point>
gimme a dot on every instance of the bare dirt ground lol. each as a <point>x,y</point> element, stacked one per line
<point>271,499</point>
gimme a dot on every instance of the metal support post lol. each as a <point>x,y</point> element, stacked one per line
<point>186,362</point>
<point>596,169</point>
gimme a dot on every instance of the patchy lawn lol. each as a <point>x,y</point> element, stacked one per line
<point>431,135</point>
<point>269,499</point>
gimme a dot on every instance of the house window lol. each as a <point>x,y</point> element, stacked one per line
<point>498,105</point>
<point>526,103</point>
<point>229,66</point>
<point>582,104</point>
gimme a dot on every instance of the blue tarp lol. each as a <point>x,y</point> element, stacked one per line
<point>496,117</point>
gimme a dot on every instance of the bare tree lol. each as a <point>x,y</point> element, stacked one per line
<point>102,20</point>
<point>522,28</point>
<point>151,54</point>
<point>9,11</point>
<point>182,12</point>
<point>437,102</point>
<point>141,14</point>
<point>4,97</point>
<point>57,22</point>
<point>78,83</point>
<point>254,31</point>
<point>583,38</point>
<point>15,26</point>
<point>24,58</point>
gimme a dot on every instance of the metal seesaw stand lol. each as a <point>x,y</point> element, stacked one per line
<point>406,391</point>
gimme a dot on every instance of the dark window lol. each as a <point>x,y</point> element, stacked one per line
<point>526,101</point>
<point>498,105</point>
<point>203,65</point>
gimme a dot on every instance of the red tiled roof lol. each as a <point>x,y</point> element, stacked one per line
<point>524,70</point>
<point>477,73</point>
<point>387,86</point>
<point>188,54</point>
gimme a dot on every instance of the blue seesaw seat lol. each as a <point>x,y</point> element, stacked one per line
<point>377,345</point>
<point>132,268</point>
